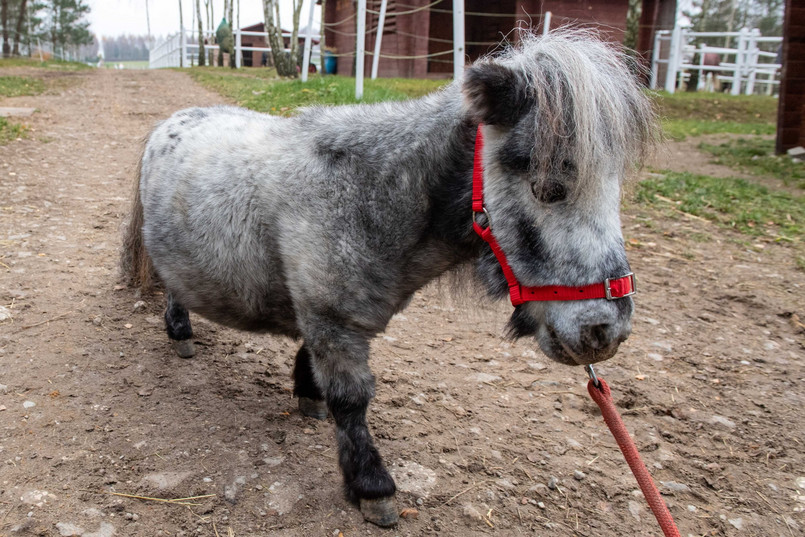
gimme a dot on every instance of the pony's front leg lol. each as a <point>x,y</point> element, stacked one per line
<point>340,367</point>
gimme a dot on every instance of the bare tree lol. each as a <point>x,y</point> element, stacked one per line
<point>4,22</point>
<point>232,26</point>
<point>181,27</point>
<point>148,22</point>
<point>18,33</point>
<point>201,58</point>
<point>284,62</point>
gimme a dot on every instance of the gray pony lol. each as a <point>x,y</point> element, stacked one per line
<point>320,227</point>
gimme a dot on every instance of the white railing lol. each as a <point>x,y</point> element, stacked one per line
<point>180,50</point>
<point>741,66</point>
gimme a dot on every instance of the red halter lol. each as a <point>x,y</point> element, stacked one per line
<point>611,288</point>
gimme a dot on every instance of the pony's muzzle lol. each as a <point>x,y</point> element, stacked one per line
<point>585,332</point>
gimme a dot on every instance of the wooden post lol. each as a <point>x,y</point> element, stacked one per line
<point>379,38</point>
<point>458,39</point>
<point>308,41</point>
<point>546,23</point>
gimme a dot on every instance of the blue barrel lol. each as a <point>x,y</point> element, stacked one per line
<point>330,63</point>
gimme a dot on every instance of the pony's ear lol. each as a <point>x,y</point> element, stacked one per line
<point>494,94</point>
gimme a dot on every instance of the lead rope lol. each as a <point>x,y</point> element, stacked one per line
<point>599,391</point>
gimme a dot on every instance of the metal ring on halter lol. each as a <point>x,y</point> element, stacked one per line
<point>488,218</point>
<point>591,374</point>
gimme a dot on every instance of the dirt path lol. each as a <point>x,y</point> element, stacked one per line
<point>483,436</point>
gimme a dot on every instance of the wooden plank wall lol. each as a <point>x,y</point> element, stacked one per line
<point>791,109</point>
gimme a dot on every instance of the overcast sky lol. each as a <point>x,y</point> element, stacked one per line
<point>115,17</point>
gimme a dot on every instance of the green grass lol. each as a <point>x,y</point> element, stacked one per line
<point>733,203</point>
<point>756,156</point>
<point>10,131</point>
<point>694,114</point>
<point>14,86</point>
<point>679,129</point>
<point>717,107</point>
<point>262,91</point>
<point>47,64</point>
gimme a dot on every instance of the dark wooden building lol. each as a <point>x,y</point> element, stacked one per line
<point>791,108</point>
<point>418,40</point>
<point>254,58</point>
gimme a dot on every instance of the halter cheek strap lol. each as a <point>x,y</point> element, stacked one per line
<point>610,289</point>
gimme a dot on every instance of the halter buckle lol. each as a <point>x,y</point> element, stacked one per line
<point>608,288</point>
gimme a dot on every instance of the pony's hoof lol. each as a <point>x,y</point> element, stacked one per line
<point>313,408</point>
<point>184,348</point>
<point>382,511</point>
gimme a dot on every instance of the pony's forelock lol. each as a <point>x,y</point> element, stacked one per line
<point>588,101</point>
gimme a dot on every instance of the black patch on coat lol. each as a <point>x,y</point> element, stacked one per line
<point>521,324</point>
<point>496,94</point>
<point>531,249</point>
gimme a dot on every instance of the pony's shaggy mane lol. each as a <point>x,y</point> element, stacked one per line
<point>589,102</point>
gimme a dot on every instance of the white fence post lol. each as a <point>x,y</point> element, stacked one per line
<point>238,51</point>
<point>381,22</point>
<point>546,23</point>
<point>752,60</point>
<point>182,48</point>
<point>308,40</point>
<point>360,49</point>
<point>673,59</point>
<point>655,60</point>
<point>458,39</point>
<point>740,60</point>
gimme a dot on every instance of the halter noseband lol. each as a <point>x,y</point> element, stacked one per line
<point>611,288</point>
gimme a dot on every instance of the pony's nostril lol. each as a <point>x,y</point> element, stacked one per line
<point>598,336</point>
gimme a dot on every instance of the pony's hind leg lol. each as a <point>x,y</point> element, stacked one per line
<point>340,363</point>
<point>177,322</point>
<point>311,400</point>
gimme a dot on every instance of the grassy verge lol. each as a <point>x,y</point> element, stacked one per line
<point>756,156</point>
<point>264,93</point>
<point>733,203</point>
<point>47,64</point>
<point>10,131</point>
<point>679,129</point>
<point>693,114</point>
<point>14,86</point>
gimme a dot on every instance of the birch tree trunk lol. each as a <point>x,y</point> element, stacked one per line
<point>201,53</point>
<point>286,65</point>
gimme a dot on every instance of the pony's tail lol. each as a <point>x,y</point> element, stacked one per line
<point>135,263</point>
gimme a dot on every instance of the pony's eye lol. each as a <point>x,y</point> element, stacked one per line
<point>550,192</point>
<point>568,166</point>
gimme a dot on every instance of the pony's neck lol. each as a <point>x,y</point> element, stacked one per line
<point>449,182</point>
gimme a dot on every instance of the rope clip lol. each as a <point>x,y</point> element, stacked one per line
<point>591,373</point>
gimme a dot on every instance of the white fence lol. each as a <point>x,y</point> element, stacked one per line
<point>743,67</point>
<point>180,50</point>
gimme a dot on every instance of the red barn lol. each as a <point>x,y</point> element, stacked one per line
<point>418,34</point>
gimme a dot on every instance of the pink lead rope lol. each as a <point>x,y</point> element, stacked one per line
<point>610,289</point>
